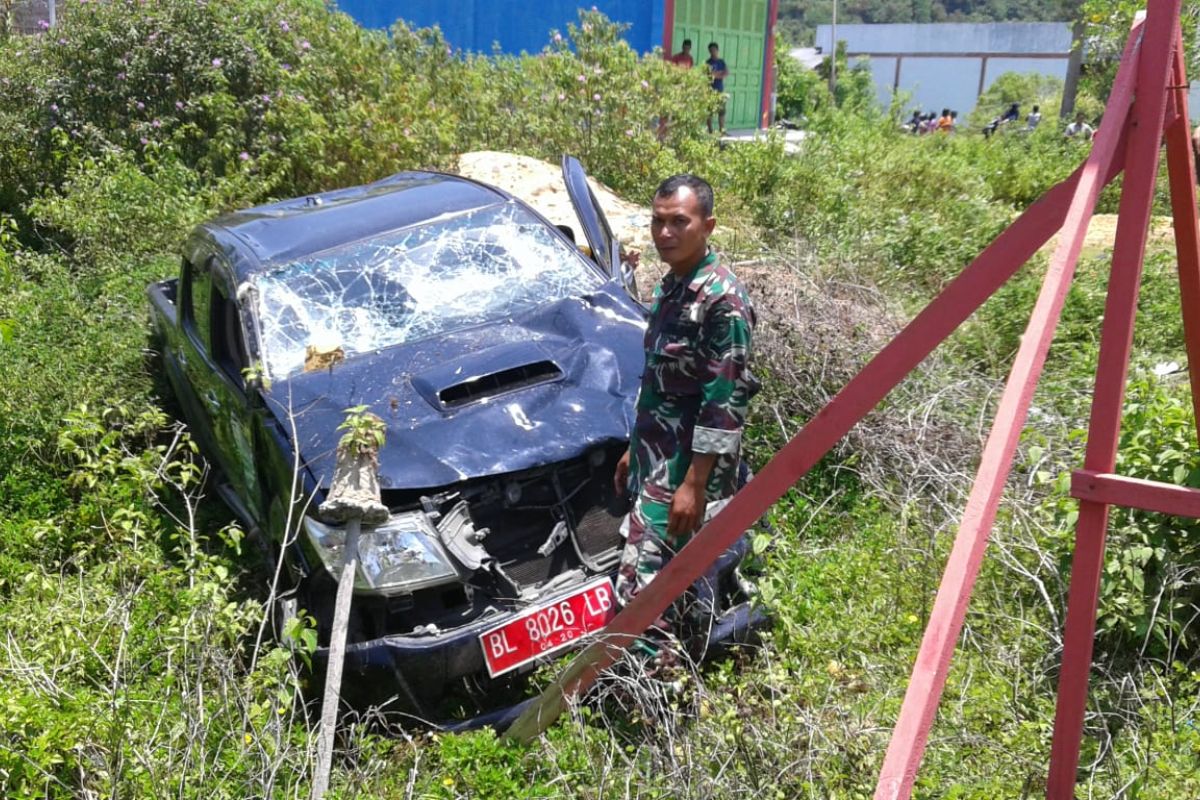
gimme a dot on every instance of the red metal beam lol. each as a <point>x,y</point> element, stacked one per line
<point>1118,490</point>
<point>668,32</point>
<point>961,297</point>
<point>1133,222</point>
<point>765,107</point>
<point>1181,171</point>
<point>928,679</point>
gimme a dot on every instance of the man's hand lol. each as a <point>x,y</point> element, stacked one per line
<point>687,509</point>
<point>631,258</point>
<point>621,476</point>
<point>690,499</point>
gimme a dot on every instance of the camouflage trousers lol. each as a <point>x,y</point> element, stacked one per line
<point>648,548</point>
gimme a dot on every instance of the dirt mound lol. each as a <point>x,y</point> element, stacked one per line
<point>540,184</point>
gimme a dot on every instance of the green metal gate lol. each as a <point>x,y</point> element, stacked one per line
<point>739,28</point>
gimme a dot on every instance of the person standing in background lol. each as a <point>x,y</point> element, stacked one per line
<point>717,72</point>
<point>684,57</point>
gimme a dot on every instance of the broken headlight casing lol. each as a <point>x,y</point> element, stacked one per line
<point>400,556</point>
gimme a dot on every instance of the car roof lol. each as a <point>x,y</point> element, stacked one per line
<point>255,239</point>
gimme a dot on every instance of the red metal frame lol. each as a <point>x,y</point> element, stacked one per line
<point>1119,490</point>
<point>1181,172</point>
<point>765,107</point>
<point>668,28</point>
<point>1130,135</point>
<point>1116,340</point>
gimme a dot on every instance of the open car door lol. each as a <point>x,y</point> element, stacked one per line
<point>605,247</point>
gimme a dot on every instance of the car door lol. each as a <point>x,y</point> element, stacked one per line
<point>605,247</point>
<point>216,356</point>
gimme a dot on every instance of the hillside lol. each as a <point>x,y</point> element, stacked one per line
<point>798,19</point>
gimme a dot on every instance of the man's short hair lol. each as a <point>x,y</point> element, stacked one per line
<point>704,192</point>
<point>711,45</point>
<point>687,42</point>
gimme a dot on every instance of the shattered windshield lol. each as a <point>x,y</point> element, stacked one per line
<point>479,266</point>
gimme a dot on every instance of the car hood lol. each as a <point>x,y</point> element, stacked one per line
<point>538,389</point>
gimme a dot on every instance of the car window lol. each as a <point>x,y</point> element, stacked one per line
<point>453,272</point>
<point>228,350</point>
<point>199,303</point>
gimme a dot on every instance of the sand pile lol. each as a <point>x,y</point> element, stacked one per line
<point>541,185</point>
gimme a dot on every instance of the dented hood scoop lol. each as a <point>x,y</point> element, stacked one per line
<point>487,374</point>
<point>483,401</point>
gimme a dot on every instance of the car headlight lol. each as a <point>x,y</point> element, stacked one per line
<point>401,555</point>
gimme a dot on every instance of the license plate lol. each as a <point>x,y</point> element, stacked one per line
<point>548,628</point>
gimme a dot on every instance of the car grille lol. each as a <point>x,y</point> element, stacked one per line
<point>598,532</point>
<point>531,572</point>
<point>520,560</point>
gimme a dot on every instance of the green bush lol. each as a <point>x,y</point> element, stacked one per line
<point>629,119</point>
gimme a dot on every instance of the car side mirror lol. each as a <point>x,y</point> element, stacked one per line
<point>253,383</point>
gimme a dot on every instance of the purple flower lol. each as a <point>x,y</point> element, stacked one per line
<point>304,45</point>
<point>43,24</point>
<point>283,26</point>
<point>62,41</point>
<point>596,97</point>
<point>54,107</point>
<point>179,105</point>
<point>561,97</point>
<point>266,98</point>
<point>244,156</point>
<point>144,141</point>
<point>408,131</point>
<point>155,124</point>
<point>557,37</point>
<point>581,78</point>
<point>629,131</point>
<point>645,84</point>
<point>120,76</point>
<point>216,62</point>
<point>286,67</point>
<point>140,105</point>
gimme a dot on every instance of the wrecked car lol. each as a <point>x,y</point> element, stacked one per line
<point>505,363</point>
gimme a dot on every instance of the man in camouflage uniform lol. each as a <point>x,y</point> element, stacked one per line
<point>683,457</point>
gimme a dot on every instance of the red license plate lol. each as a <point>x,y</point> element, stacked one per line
<point>550,627</point>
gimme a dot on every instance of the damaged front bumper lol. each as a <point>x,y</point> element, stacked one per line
<point>409,677</point>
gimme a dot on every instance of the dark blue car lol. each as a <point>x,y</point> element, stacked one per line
<point>505,363</point>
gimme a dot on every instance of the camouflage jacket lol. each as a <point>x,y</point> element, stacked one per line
<point>696,384</point>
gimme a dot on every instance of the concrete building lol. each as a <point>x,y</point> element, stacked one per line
<point>948,65</point>
<point>744,29</point>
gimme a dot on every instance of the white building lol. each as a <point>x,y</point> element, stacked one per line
<point>948,65</point>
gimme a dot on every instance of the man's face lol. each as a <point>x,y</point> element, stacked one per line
<point>680,229</point>
<point>712,51</point>
<point>687,48</point>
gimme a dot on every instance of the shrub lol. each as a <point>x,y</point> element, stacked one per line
<point>589,94</point>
